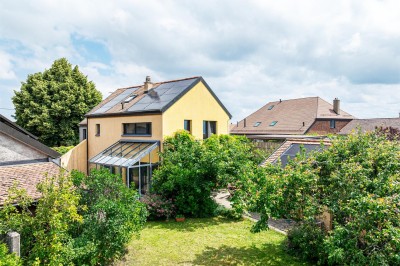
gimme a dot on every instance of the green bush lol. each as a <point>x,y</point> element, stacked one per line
<point>190,170</point>
<point>45,237</point>
<point>112,214</point>
<point>306,241</point>
<point>358,180</point>
<point>158,207</point>
<point>63,149</point>
<point>185,176</point>
<point>7,259</point>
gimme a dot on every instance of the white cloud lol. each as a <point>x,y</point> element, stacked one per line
<point>249,52</point>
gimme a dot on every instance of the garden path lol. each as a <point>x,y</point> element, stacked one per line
<point>279,225</point>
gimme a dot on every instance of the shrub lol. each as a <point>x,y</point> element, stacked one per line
<point>185,176</point>
<point>158,207</point>
<point>44,236</point>
<point>190,170</point>
<point>7,259</point>
<point>306,241</point>
<point>358,180</point>
<point>112,214</point>
<point>63,149</point>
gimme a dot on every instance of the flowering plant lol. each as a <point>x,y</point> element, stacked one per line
<point>158,207</point>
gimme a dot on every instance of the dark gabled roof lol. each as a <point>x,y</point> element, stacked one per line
<point>288,117</point>
<point>292,146</point>
<point>8,122</point>
<point>14,131</point>
<point>157,100</point>
<point>370,124</point>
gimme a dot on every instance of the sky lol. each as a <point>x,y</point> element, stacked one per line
<point>249,52</point>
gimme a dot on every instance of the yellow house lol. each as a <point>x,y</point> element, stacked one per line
<point>125,131</point>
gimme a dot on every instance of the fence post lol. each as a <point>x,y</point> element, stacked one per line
<point>13,243</point>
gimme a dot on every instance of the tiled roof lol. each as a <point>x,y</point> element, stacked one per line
<point>370,124</point>
<point>27,176</point>
<point>289,142</point>
<point>158,99</point>
<point>292,117</point>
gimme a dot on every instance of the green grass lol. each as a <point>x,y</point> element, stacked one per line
<point>212,241</point>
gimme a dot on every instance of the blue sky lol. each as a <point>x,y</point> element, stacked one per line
<point>249,52</point>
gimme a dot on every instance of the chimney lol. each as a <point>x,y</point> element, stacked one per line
<point>122,105</point>
<point>244,122</point>
<point>336,106</point>
<point>147,84</point>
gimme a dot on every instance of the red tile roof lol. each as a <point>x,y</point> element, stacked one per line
<point>370,124</point>
<point>293,117</point>
<point>27,176</point>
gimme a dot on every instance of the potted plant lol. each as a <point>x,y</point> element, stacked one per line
<point>179,218</point>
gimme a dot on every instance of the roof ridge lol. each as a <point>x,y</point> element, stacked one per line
<point>158,83</point>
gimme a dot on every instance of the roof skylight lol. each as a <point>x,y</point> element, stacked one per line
<point>273,123</point>
<point>270,107</point>
<point>130,98</point>
<point>256,124</point>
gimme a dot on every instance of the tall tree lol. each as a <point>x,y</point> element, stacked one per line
<point>51,104</point>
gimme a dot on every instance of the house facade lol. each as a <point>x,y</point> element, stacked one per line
<point>23,160</point>
<point>125,131</point>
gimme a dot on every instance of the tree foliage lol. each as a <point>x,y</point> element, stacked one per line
<point>112,214</point>
<point>190,170</point>
<point>7,259</point>
<point>45,237</point>
<point>87,222</point>
<point>357,180</point>
<point>50,104</point>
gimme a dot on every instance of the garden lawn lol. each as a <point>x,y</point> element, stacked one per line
<point>211,241</point>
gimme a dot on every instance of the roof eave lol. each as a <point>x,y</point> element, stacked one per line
<point>142,112</point>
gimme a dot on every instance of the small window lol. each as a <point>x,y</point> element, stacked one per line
<point>270,107</point>
<point>187,125</point>
<point>97,129</point>
<point>209,128</point>
<point>256,124</point>
<point>273,123</point>
<point>84,133</point>
<point>142,129</point>
<point>333,123</point>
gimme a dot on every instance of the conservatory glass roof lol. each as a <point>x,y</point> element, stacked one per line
<point>125,153</point>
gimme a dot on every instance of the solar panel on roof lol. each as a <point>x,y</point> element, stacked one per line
<point>165,93</point>
<point>117,99</point>
<point>294,149</point>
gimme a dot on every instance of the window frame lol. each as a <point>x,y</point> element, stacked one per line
<point>98,130</point>
<point>84,133</point>
<point>332,124</point>
<point>189,123</point>
<point>149,129</point>
<point>208,127</point>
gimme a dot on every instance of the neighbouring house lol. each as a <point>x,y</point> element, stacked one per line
<point>125,131</point>
<point>291,147</point>
<point>293,118</point>
<point>366,125</point>
<point>23,160</point>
